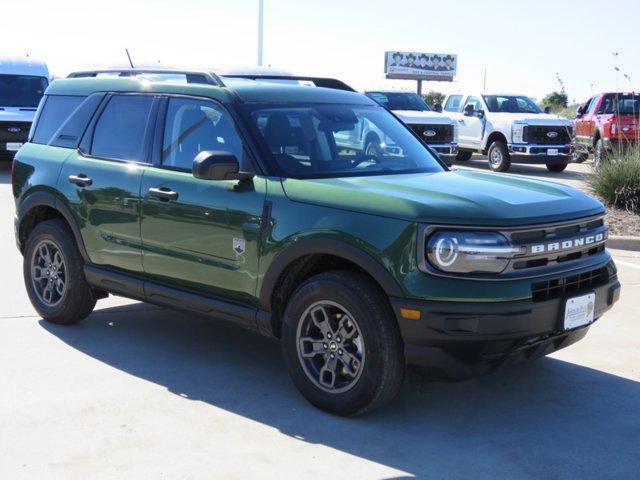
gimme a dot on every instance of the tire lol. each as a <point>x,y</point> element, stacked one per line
<point>374,342</point>
<point>372,146</point>
<point>556,167</point>
<point>600,153</point>
<point>580,157</point>
<point>463,156</point>
<point>70,298</point>
<point>499,159</point>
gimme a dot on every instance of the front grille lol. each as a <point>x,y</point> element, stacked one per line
<point>573,284</point>
<point>8,136</point>
<point>441,133</point>
<point>547,135</point>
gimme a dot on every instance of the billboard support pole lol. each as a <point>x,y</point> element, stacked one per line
<point>420,87</point>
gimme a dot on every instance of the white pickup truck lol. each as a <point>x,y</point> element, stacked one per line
<point>510,129</point>
<point>438,131</point>
<point>22,85</point>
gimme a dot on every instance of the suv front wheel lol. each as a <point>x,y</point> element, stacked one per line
<point>499,160</point>
<point>53,274</point>
<point>342,344</point>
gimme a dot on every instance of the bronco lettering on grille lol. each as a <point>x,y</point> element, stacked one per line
<point>567,244</point>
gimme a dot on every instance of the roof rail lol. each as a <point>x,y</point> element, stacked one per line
<point>208,78</point>
<point>317,81</point>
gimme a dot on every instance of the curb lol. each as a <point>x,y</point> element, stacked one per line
<point>623,242</point>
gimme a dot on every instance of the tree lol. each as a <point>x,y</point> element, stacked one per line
<point>433,97</point>
<point>556,101</point>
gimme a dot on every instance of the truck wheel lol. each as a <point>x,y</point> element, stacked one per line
<point>499,160</point>
<point>463,156</point>
<point>556,167</point>
<point>53,274</point>
<point>341,343</point>
<point>372,146</point>
<point>600,153</point>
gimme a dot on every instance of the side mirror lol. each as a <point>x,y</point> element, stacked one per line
<point>438,107</point>
<point>580,111</point>
<point>218,165</point>
<point>547,110</point>
<point>468,110</point>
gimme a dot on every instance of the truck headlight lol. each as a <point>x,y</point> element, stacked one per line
<point>469,252</point>
<point>455,133</point>
<point>517,133</point>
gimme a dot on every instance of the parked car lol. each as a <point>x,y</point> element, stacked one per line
<point>605,122</point>
<point>435,129</point>
<point>228,198</point>
<point>22,85</point>
<point>510,129</point>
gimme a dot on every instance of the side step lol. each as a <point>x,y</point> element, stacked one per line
<point>142,289</point>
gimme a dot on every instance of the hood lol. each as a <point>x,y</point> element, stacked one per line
<point>454,197</point>
<point>17,114</point>
<point>422,117</point>
<point>530,118</point>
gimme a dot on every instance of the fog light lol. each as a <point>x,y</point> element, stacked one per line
<point>410,314</point>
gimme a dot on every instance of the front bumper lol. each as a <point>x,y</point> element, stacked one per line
<point>446,151</point>
<point>455,340</point>
<point>528,153</point>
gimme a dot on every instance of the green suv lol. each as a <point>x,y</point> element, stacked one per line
<point>231,198</point>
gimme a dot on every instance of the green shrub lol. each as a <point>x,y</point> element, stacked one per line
<point>617,180</point>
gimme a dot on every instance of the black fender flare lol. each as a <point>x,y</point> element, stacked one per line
<point>48,199</point>
<point>326,246</point>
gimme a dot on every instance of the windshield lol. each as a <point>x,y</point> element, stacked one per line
<point>21,90</point>
<point>323,140</point>
<point>623,104</point>
<point>511,104</point>
<point>400,100</point>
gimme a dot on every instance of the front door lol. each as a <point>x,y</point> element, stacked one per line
<point>102,185</point>
<point>471,127</point>
<point>201,234</point>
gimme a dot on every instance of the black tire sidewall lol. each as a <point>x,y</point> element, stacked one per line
<point>77,297</point>
<point>356,399</point>
<point>556,167</point>
<point>463,156</point>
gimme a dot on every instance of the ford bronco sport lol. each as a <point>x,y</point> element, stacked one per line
<point>510,129</point>
<point>230,199</point>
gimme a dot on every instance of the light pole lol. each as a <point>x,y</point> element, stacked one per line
<point>260,29</point>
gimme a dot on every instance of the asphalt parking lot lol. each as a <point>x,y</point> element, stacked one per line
<point>137,391</point>
<point>575,174</point>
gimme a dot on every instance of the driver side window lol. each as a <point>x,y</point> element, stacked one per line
<point>193,126</point>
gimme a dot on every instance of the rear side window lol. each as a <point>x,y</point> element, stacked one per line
<point>453,103</point>
<point>56,110</point>
<point>120,130</point>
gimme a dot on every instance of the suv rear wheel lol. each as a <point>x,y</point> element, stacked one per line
<point>341,344</point>
<point>53,274</point>
<point>499,160</point>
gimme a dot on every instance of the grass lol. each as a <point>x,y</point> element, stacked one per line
<point>617,180</point>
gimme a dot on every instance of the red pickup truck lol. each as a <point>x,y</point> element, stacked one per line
<point>605,122</point>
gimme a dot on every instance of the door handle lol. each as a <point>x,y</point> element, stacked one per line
<point>81,180</point>
<point>163,193</point>
<point>461,120</point>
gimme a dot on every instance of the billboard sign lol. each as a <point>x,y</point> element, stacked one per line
<point>420,66</point>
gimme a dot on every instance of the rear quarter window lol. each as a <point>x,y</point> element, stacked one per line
<point>55,111</point>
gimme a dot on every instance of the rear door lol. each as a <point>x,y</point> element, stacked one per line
<point>200,234</point>
<point>101,181</point>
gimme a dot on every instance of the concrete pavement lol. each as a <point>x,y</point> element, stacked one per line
<point>138,391</point>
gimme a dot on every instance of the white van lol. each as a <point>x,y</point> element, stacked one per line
<point>22,85</point>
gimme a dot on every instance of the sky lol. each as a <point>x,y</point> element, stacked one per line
<point>523,46</point>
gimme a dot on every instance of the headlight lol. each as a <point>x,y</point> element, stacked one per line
<point>455,133</point>
<point>517,132</point>
<point>469,252</point>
